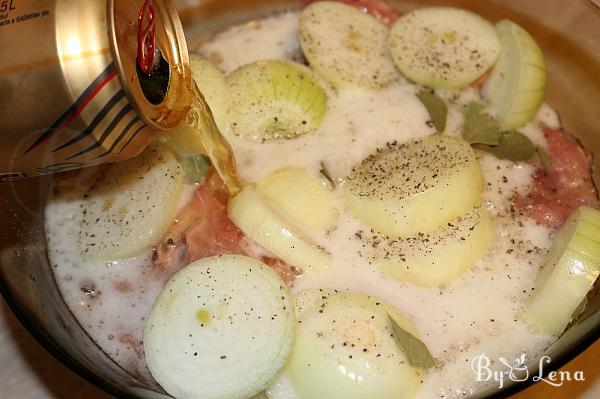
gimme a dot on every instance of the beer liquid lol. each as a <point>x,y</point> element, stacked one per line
<point>198,133</point>
<point>202,124</point>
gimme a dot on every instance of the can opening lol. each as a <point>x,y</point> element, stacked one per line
<point>152,61</point>
<point>155,84</point>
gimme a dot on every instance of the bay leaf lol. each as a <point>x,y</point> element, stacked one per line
<point>513,146</point>
<point>437,108</point>
<point>325,173</point>
<point>415,350</point>
<point>479,127</point>
<point>195,168</point>
<point>544,158</point>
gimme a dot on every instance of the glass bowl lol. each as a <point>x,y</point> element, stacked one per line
<point>570,38</point>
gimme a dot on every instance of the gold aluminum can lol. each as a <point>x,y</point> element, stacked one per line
<point>71,95</point>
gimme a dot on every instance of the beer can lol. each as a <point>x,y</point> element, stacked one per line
<point>72,94</point>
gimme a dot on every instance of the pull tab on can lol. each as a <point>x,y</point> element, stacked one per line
<point>76,91</point>
<point>146,38</point>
